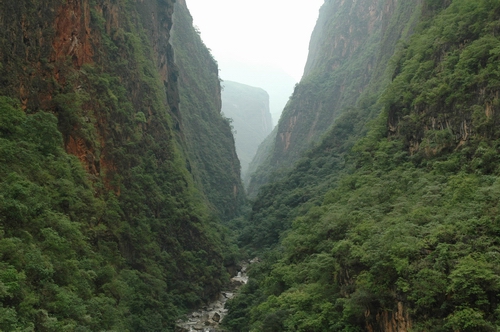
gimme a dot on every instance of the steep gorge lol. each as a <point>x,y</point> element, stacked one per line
<point>116,168</point>
<point>321,113</point>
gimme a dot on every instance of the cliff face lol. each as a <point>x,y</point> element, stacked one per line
<point>248,107</point>
<point>203,131</point>
<point>44,47</point>
<point>144,239</point>
<point>348,53</point>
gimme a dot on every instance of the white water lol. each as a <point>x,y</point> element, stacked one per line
<point>208,318</point>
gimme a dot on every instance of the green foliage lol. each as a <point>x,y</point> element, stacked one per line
<point>46,207</point>
<point>120,238</point>
<point>385,234</point>
<point>10,117</point>
<point>298,191</point>
<point>450,76</point>
<point>406,223</point>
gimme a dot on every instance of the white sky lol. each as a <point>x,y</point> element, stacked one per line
<point>269,34</point>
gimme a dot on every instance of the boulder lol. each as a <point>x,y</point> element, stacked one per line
<point>236,283</point>
<point>255,260</point>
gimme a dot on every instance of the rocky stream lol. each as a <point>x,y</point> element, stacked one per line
<point>208,318</point>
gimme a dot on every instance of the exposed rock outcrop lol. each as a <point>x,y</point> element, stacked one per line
<point>389,321</point>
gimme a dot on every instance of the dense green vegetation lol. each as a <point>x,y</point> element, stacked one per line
<point>120,237</point>
<point>116,167</point>
<point>424,237</point>
<point>392,223</point>
<point>50,277</point>
<point>279,202</point>
<point>64,251</point>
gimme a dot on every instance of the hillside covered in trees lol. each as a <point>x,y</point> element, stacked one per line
<point>109,208</point>
<point>388,220</point>
<point>375,200</point>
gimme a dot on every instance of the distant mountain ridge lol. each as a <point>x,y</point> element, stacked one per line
<point>248,107</point>
<point>275,81</point>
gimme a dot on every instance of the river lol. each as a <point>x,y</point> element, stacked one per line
<point>208,318</point>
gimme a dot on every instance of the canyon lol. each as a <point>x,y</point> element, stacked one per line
<point>372,205</point>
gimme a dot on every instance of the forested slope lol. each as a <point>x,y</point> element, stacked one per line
<point>393,225</point>
<point>102,226</point>
<point>279,201</point>
<point>347,64</point>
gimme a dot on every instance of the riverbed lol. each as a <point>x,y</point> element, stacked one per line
<point>209,317</point>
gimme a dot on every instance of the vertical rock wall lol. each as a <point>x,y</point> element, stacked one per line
<point>348,55</point>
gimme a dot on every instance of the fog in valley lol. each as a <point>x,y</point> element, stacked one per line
<point>260,43</point>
